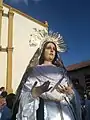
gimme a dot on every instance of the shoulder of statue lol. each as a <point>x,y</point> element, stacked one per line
<point>29,69</point>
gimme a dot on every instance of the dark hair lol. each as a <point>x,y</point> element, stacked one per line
<point>10,100</point>
<point>41,60</point>
<point>2,88</point>
<point>4,94</point>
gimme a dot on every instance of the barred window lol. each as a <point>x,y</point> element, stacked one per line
<point>87,81</point>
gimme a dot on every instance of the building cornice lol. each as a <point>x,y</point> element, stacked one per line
<point>27,16</point>
<point>77,66</point>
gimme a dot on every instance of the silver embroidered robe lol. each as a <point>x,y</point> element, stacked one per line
<point>57,106</point>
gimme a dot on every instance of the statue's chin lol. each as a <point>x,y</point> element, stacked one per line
<point>51,58</point>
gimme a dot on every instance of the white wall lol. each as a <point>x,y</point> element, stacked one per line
<point>22,52</point>
<point>3,63</point>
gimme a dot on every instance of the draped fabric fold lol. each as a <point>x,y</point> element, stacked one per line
<point>52,105</point>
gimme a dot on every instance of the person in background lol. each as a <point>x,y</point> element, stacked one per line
<point>4,94</point>
<point>2,89</point>
<point>87,106</point>
<point>2,105</point>
<point>6,112</point>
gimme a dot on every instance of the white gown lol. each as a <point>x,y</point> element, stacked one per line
<point>56,106</point>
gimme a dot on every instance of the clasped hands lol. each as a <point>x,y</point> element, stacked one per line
<point>37,91</point>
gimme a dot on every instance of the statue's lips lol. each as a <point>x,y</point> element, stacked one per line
<point>51,54</point>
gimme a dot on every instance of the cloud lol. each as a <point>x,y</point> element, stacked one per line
<point>21,1</point>
<point>18,1</point>
<point>36,0</point>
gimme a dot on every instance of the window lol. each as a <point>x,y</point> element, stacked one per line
<point>87,81</point>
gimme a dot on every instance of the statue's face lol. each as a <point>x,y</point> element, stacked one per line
<point>49,53</point>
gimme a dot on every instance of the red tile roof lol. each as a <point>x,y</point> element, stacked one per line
<point>78,65</point>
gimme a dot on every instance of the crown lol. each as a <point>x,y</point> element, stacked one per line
<point>40,37</point>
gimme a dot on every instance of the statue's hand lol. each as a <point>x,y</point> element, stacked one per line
<point>65,89</point>
<point>37,91</point>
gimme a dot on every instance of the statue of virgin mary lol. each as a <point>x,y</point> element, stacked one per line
<point>45,91</point>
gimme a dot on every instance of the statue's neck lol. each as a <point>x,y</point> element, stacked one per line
<point>47,62</point>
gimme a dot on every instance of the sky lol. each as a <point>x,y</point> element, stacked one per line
<point>71,18</point>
